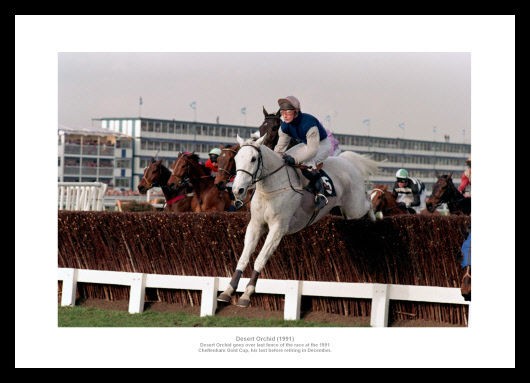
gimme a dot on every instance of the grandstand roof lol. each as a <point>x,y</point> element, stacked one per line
<point>90,131</point>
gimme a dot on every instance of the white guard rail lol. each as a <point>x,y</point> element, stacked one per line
<point>84,196</point>
<point>380,294</point>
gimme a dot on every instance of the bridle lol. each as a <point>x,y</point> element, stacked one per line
<point>149,184</point>
<point>186,175</point>
<point>223,170</point>
<point>255,178</point>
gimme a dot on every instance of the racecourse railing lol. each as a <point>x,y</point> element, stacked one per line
<point>90,196</point>
<point>380,294</point>
<point>83,196</point>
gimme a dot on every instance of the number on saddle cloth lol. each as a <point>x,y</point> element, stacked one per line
<point>328,184</point>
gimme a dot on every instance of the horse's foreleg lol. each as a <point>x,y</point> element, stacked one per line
<point>252,236</point>
<point>244,300</point>
<point>271,243</point>
<point>226,295</point>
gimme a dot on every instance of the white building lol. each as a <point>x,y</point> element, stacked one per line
<point>164,139</point>
<point>95,155</point>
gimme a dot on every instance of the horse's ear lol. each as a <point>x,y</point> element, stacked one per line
<point>240,140</point>
<point>265,113</point>
<point>450,175</point>
<point>153,159</point>
<point>436,174</point>
<point>259,141</point>
<point>278,113</point>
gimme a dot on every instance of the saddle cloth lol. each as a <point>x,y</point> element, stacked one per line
<point>329,188</point>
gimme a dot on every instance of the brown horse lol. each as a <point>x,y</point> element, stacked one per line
<point>445,191</point>
<point>207,196</point>
<point>157,175</point>
<point>383,202</point>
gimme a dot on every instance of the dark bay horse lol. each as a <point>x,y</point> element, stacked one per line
<point>383,202</point>
<point>207,196</point>
<point>157,175</point>
<point>270,126</point>
<point>445,191</point>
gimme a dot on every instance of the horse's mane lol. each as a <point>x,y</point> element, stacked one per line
<point>381,187</point>
<point>192,156</point>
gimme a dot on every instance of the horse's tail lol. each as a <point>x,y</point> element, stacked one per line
<point>365,164</point>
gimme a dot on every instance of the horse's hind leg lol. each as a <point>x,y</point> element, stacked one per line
<point>364,208</point>
<point>252,236</point>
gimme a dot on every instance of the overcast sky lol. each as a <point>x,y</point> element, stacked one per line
<point>412,95</point>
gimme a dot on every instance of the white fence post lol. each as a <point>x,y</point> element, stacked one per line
<point>137,293</point>
<point>209,297</point>
<point>380,302</point>
<point>293,298</point>
<point>69,287</point>
<point>82,195</point>
<point>381,294</point>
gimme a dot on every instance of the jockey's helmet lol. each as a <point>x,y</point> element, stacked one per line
<point>215,151</point>
<point>402,173</point>
<point>468,161</point>
<point>289,103</point>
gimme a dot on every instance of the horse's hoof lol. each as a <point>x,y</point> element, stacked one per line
<point>242,302</point>
<point>224,298</point>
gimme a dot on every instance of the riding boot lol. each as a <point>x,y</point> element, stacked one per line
<point>316,187</point>
<point>311,177</point>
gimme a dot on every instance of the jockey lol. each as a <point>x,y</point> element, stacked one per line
<point>465,181</point>
<point>313,145</point>
<point>211,163</point>
<point>407,190</point>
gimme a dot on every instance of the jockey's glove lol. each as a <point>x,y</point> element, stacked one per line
<point>289,160</point>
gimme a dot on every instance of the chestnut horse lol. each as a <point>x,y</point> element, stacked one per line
<point>157,175</point>
<point>207,196</point>
<point>226,163</point>
<point>445,191</point>
<point>384,203</point>
<point>227,172</point>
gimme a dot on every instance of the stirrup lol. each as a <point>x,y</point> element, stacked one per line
<point>321,197</point>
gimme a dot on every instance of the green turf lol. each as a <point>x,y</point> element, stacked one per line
<point>78,316</point>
